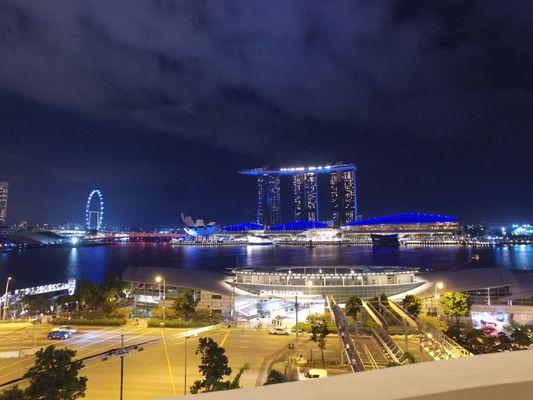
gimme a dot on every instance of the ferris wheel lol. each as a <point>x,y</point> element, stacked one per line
<point>96,217</point>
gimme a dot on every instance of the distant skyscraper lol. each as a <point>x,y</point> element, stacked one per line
<point>269,200</point>
<point>343,197</point>
<point>305,197</point>
<point>305,190</point>
<point>4,192</point>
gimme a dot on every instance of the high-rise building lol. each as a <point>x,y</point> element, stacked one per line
<point>269,200</point>
<point>343,197</point>
<point>305,185</point>
<point>4,192</point>
<point>305,197</point>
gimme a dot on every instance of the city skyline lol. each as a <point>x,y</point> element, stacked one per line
<point>434,113</point>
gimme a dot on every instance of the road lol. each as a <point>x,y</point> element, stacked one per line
<point>158,370</point>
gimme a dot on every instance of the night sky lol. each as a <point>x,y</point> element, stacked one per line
<point>160,103</point>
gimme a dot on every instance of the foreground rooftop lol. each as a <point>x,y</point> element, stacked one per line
<point>491,376</point>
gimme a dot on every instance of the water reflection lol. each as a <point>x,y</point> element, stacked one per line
<point>58,264</point>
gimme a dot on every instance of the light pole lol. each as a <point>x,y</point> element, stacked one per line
<point>4,314</point>
<point>159,279</point>
<point>438,286</point>
<point>185,360</point>
<point>309,284</point>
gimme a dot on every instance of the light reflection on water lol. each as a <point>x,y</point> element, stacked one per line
<point>40,266</point>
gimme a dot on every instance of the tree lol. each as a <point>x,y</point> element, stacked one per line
<point>185,304</point>
<point>353,306</point>
<point>505,343</point>
<point>38,303</point>
<point>113,292</point>
<point>455,304</point>
<point>214,366</point>
<point>521,339</point>
<point>54,376</point>
<point>383,298</point>
<point>275,377</point>
<point>412,304</point>
<point>87,295</point>
<point>319,331</point>
<point>13,393</point>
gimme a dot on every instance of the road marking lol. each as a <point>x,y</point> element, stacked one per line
<point>98,350</point>
<point>168,363</point>
<point>224,340</point>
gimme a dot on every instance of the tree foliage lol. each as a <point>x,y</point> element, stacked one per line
<point>105,298</point>
<point>319,332</point>
<point>412,304</point>
<point>214,366</point>
<point>455,304</point>
<point>521,339</point>
<point>275,377</point>
<point>53,377</point>
<point>13,393</point>
<point>185,304</point>
<point>353,306</point>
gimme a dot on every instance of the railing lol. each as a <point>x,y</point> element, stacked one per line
<point>374,314</point>
<point>439,345</point>
<point>395,353</point>
<point>356,365</point>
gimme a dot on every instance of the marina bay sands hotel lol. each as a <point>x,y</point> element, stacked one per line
<point>305,187</point>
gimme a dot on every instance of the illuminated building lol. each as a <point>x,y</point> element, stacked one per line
<point>342,191</point>
<point>305,197</point>
<point>269,200</point>
<point>305,185</point>
<point>4,192</point>
<point>409,227</point>
<point>341,282</point>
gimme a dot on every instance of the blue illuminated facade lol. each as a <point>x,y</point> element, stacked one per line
<point>244,227</point>
<point>299,226</point>
<point>404,219</point>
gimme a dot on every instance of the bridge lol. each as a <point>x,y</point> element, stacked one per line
<point>18,294</point>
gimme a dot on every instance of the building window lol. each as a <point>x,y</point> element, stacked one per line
<point>216,296</point>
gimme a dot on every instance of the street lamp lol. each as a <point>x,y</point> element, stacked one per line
<point>4,314</point>
<point>159,279</point>
<point>438,286</point>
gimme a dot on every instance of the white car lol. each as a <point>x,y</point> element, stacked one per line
<point>278,330</point>
<point>66,328</point>
<point>313,373</point>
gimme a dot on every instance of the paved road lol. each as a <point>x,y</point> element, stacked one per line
<point>158,370</point>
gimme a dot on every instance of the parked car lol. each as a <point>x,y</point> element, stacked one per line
<point>66,328</point>
<point>278,330</point>
<point>313,373</point>
<point>59,335</point>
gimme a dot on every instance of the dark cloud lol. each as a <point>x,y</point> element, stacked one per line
<point>268,82</point>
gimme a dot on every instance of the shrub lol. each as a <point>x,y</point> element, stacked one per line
<point>177,323</point>
<point>90,322</point>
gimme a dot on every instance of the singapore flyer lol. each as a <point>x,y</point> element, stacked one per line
<point>94,218</point>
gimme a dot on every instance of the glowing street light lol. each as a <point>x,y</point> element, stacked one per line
<point>438,286</point>
<point>4,314</point>
<point>309,284</point>
<point>159,279</point>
